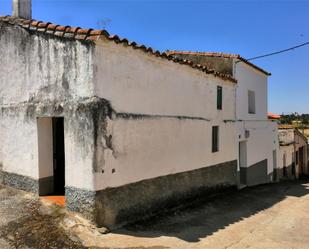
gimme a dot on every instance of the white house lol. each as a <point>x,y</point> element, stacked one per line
<point>257,137</point>
<point>119,129</point>
<point>293,153</point>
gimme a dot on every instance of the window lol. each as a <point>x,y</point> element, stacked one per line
<point>251,102</point>
<point>219,97</point>
<point>215,138</point>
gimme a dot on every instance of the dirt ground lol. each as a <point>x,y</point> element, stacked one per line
<point>268,216</point>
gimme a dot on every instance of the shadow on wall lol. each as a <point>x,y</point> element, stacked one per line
<point>208,216</point>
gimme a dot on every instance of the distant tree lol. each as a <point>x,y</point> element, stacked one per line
<point>301,120</point>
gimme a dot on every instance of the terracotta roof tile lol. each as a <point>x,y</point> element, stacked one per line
<point>223,55</point>
<point>43,24</point>
<point>96,32</point>
<point>61,28</point>
<point>52,26</point>
<point>93,35</point>
<point>72,29</point>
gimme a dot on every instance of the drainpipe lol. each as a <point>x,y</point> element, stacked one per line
<point>22,9</point>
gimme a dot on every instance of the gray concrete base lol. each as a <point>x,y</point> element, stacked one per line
<point>115,207</point>
<point>278,174</point>
<point>285,173</point>
<point>255,174</point>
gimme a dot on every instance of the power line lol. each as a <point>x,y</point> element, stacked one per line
<point>278,52</point>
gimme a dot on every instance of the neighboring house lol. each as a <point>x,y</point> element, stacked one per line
<point>119,129</point>
<point>293,153</point>
<point>257,136</point>
<point>273,116</point>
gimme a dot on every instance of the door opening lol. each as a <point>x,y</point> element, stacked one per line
<point>301,161</point>
<point>58,156</point>
<point>243,162</point>
<point>51,156</point>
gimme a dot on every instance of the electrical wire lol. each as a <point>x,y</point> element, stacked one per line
<point>278,52</point>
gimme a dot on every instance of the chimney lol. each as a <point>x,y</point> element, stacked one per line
<point>22,9</point>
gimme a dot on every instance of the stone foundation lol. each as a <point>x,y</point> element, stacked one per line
<point>42,186</point>
<point>20,182</point>
<point>115,207</point>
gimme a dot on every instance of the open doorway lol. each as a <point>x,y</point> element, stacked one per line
<point>243,162</point>
<point>51,156</point>
<point>58,158</point>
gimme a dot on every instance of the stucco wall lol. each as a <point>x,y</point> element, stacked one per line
<point>152,147</point>
<point>44,76</point>
<point>249,78</point>
<point>262,141</point>
<point>19,147</point>
<point>170,109</point>
<point>288,150</point>
<point>140,83</point>
<point>41,67</point>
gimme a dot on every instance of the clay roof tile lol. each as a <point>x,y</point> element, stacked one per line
<point>93,35</point>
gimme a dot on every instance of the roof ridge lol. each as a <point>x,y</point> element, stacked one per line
<point>220,54</point>
<point>93,35</point>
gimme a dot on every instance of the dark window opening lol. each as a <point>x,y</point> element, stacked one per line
<point>215,138</point>
<point>219,97</point>
<point>251,102</point>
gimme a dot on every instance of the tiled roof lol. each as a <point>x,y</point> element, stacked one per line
<point>273,116</point>
<point>223,55</point>
<point>92,35</point>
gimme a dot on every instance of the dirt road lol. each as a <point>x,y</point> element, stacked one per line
<point>269,216</point>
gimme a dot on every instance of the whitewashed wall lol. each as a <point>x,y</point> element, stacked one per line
<point>19,145</point>
<point>152,146</point>
<point>249,78</point>
<point>263,139</point>
<point>39,71</point>
<point>137,82</point>
<point>288,150</point>
<point>42,69</point>
<point>148,148</point>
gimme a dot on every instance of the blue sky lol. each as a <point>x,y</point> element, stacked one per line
<point>249,28</point>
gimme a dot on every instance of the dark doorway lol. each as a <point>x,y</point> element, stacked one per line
<point>58,156</point>
<point>301,161</point>
<point>243,162</point>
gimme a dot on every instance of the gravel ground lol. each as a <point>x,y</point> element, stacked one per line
<point>268,216</point>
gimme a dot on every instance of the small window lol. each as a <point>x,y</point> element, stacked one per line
<point>215,138</point>
<point>219,97</point>
<point>251,102</point>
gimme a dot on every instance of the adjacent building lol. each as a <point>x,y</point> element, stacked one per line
<point>293,153</point>
<point>257,137</point>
